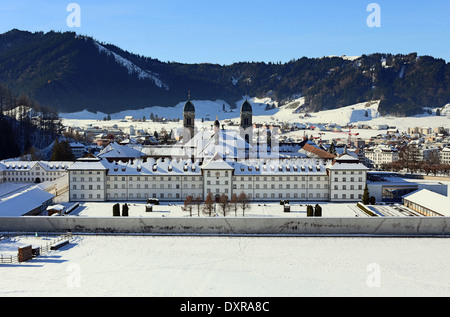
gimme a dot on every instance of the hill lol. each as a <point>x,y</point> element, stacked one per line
<point>72,73</point>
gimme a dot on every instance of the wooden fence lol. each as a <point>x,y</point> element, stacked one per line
<point>9,259</point>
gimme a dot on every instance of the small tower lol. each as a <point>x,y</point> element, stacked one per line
<point>217,131</point>
<point>217,125</point>
<point>246,125</point>
<point>188,120</point>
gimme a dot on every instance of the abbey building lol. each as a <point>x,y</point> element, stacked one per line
<point>219,161</point>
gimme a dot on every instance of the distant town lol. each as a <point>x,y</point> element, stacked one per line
<point>370,170</point>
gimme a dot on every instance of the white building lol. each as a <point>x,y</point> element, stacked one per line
<point>428,152</point>
<point>428,203</point>
<point>445,155</point>
<point>78,149</point>
<point>376,156</point>
<point>261,179</point>
<point>32,172</point>
<point>347,178</point>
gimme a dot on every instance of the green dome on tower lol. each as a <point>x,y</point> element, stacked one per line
<point>246,107</point>
<point>189,107</point>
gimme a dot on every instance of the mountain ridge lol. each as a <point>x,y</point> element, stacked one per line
<point>72,72</point>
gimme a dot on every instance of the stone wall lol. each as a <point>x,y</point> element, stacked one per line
<point>408,226</point>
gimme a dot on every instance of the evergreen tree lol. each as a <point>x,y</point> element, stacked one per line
<point>9,148</point>
<point>317,211</point>
<point>366,196</point>
<point>309,211</point>
<point>62,151</point>
<point>332,149</point>
<point>57,151</point>
<point>116,210</point>
<point>125,210</point>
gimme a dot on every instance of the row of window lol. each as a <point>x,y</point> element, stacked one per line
<point>200,186</point>
<point>185,195</point>
<point>28,179</point>
<point>344,179</point>
<point>33,173</point>
<point>89,179</point>
<point>281,186</point>
<point>344,187</point>
<point>153,186</point>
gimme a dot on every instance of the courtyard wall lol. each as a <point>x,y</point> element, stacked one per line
<point>377,226</point>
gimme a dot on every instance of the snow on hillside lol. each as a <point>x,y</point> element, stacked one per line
<point>366,113</point>
<point>205,109</point>
<point>132,68</point>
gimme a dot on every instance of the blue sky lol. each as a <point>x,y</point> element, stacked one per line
<point>230,31</point>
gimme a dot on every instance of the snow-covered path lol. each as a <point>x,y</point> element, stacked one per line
<point>234,266</point>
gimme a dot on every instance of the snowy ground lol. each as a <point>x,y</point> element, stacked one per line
<point>234,266</point>
<point>257,210</point>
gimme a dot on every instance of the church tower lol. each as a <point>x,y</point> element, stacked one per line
<point>246,126</point>
<point>188,120</point>
<point>246,121</point>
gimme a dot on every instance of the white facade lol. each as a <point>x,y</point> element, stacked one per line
<point>174,180</point>
<point>445,155</point>
<point>32,172</point>
<point>378,155</point>
<point>426,153</point>
<point>347,179</point>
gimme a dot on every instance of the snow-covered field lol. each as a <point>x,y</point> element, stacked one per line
<point>234,266</point>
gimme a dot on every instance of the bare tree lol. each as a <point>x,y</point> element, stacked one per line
<point>198,202</point>
<point>234,203</point>
<point>224,204</point>
<point>209,204</point>
<point>188,205</point>
<point>244,202</point>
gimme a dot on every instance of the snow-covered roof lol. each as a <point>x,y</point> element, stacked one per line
<point>115,150</point>
<point>430,200</point>
<point>27,166</point>
<point>299,167</point>
<point>347,162</point>
<point>24,202</point>
<point>153,167</point>
<point>86,164</point>
<point>225,142</point>
<point>217,163</point>
<point>381,147</point>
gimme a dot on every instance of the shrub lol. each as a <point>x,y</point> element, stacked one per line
<point>318,211</point>
<point>116,210</point>
<point>309,211</point>
<point>125,210</point>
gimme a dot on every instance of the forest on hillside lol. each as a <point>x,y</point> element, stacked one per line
<point>26,127</point>
<point>71,73</point>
